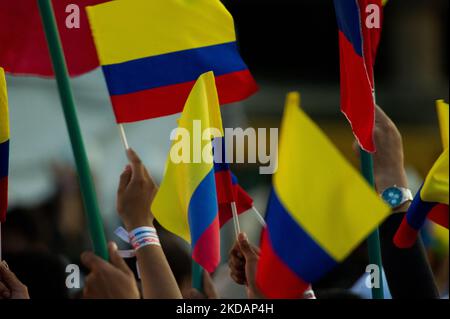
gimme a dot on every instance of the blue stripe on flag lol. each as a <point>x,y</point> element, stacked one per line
<point>293,245</point>
<point>203,207</point>
<point>348,18</point>
<point>172,68</point>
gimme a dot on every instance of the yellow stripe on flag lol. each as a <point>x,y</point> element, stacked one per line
<point>435,188</point>
<point>443,116</point>
<point>4,115</point>
<point>127,30</point>
<point>321,190</point>
<point>170,206</point>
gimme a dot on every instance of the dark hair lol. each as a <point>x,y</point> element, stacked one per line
<point>43,274</point>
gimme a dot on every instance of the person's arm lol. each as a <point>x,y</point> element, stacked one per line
<point>135,195</point>
<point>407,270</point>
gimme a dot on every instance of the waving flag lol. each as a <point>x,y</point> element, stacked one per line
<point>433,195</point>
<point>227,187</point>
<point>186,203</point>
<point>358,47</point>
<point>152,52</point>
<point>23,48</point>
<point>432,199</point>
<point>4,147</point>
<point>319,210</point>
<point>243,202</point>
<point>443,116</point>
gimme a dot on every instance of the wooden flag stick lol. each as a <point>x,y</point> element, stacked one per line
<point>237,227</point>
<point>123,136</point>
<point>259,217</point>
<point>65,93</point>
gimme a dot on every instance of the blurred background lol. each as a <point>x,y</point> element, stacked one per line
<point>288,45</point>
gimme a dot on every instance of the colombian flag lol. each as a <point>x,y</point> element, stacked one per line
<point>319,210</point>
<point>432,199</point>
<point>358,47</point>
<point>227,186</point>
<point>242,199</point>
<point>4,147</point>
<point>152,52</point>
<point>185,204</point>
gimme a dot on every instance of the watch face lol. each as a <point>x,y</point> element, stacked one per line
<point>393,196</point>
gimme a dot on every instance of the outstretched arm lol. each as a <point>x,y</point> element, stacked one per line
<point>135,195</point>
<point>407,270</point>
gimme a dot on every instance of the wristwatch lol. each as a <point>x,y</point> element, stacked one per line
<point>396,196</point>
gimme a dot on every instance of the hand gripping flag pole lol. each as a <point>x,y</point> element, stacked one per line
<point>68,105</point>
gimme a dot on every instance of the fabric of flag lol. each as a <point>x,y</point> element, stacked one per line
<point>432,196</point>
<point>243,201</point>
<point>443,117</point>
<point>152,52</point>
<point>358,47</point>
<point>432,199</point>
<point>23,48</point>
<point>186,203</point>
<point>319,210</point>
<point>227,186</point>
<point>439,214</point>
<point>4,147</point>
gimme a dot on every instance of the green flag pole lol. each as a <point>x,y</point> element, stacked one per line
<point>197,276</point>
<point>65,93</point>
<point>373,241</point>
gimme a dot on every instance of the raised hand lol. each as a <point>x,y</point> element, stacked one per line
<point>135,194</point>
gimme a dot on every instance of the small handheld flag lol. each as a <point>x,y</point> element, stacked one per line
<point>4,147</point>
<point>432,199</point>
<point>186,202</point>
<point>320,209</point>
<point>229,192</point>
<point>358,44</point>
<point>152,52</point>
<point>432,196</point>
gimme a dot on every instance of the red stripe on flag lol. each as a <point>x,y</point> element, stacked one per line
<point>168,100</point>
<point>206,252</point>
<point>276,280</point>
<point>3,198</point>
<point>224,187</point>
<point>356,94</point>
<point>406,236</point>
<point>243,203</point>
<point>371,37</point>
<point>439,215</point>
